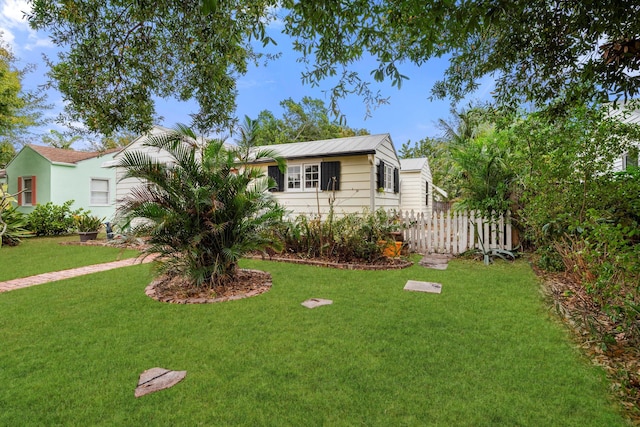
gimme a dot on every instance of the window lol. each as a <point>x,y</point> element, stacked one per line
<point>427,194</point>
<point>27,190</point>
<point>99,191</point>
<point>311,176</point>
<point>293,178</point>
<point>388,177</point>
<point>630,158</point>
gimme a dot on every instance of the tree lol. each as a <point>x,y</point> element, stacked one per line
<point>118,56</point>
<point>307,120</point>
<point>202,212</point>
<point>115,140</point>
<point>537,50</point>
<point>60,140</point>
<point>19,109</point>
<point>7,152</point>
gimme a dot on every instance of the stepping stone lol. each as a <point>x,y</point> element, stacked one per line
<point>431,287</point>
<point>156,379</point>
<point>316,302</point>
<point>435,261</point>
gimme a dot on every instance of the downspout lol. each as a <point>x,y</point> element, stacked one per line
<point>372,182</point>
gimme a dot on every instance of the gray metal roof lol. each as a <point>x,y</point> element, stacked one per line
<point>407,165</point>
<point>365,144</point>
<point>626,113</point>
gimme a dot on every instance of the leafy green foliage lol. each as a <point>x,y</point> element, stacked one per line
<point>60,140</point>
<point>579,216</point>
<point>203,211</point>
<point>352,237</point>
<point>117,57</point>
<point>537,50</point>
<point>12,222</point>
<point>50,219</point>
<point>85,222</point>
<point>19,109</point>
<point>307,120</point>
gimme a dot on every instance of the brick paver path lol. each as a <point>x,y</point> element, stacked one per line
<point>39,279</point>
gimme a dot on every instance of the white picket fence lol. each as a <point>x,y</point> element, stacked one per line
<point>455,232</point>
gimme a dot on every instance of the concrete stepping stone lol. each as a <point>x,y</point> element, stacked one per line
<point>156,379</point>
<point>316,302</point>
<point>435,261</point>
<point>431,287</point>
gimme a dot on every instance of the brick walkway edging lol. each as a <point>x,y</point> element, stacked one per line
<point>53,276</point>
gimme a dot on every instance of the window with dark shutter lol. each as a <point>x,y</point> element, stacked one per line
<point>396,180</point>
<point>381,174</point>
<point>329,171</point>
<point>275,173</point>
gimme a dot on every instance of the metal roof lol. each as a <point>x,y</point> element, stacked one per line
<point>365,144</point>
<point>417,164</point>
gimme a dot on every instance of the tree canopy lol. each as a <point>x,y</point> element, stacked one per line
<point>537,50</point>
<point>307,120</point>
<point>118,57</point>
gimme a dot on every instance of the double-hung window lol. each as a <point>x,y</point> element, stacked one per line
<point>388,177</point>
<point>293,177</point>
<point>99,191</point>
<point>311,176</point>
<point>27,191</point>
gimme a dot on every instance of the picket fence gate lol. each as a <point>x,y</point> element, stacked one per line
<point>455,232</point>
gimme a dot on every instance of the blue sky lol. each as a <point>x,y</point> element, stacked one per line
<point>410,115</point>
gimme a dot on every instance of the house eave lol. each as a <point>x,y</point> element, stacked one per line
<point>319,156</point>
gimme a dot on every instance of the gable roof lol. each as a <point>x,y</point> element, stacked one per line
<point>60,155</point>
<point>365,144</point>
<point>417,164</point>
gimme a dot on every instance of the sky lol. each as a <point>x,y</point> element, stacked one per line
<point>410,114</point>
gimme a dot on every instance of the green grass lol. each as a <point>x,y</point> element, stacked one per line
<point>485,352</point>
<point>45,254</point>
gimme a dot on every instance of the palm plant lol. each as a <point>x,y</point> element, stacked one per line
<point>202,211</point>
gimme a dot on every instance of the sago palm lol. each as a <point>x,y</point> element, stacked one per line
<point>202,211</point>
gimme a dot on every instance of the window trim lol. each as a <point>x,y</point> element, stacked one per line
<point>299,180</point>
<point>388,177</point>
<point>22,192</point>
<point>317,180</point>
<point>92,191</point>
<point>303,177</point>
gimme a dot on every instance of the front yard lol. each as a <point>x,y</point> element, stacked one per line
<point>487,351</point>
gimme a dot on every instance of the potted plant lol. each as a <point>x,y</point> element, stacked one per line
<point>87,226</point>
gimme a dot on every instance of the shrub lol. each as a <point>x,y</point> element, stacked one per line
<point>353,237</point>
<point>84,222</point>
<point>52,220</point>
<point>202,213</point>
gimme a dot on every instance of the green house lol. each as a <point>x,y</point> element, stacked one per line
<point>40,174</point>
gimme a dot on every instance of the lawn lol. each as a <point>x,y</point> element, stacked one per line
<point>485,352</point>
<point>45,254</point>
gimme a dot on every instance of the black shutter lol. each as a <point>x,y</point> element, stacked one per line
<point>328,171</point>
<point>278,177</point>
<point>380,174</point>
<point>396,180</point>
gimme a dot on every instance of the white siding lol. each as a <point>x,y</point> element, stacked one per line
<point>123,187</point>
<point>353,196</point>
<point>413,187</point>
<point>387,153</point>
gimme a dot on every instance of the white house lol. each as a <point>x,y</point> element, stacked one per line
<point>630,157</point>
<point>353,173</point>
<point>124,186</point>
<point>416,185</point>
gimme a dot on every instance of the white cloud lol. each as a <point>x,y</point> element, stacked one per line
<point>13,13</point>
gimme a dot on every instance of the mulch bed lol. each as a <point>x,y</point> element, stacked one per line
<point>380,264</point>
<point>619,359</point>
<point>248,283</point>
